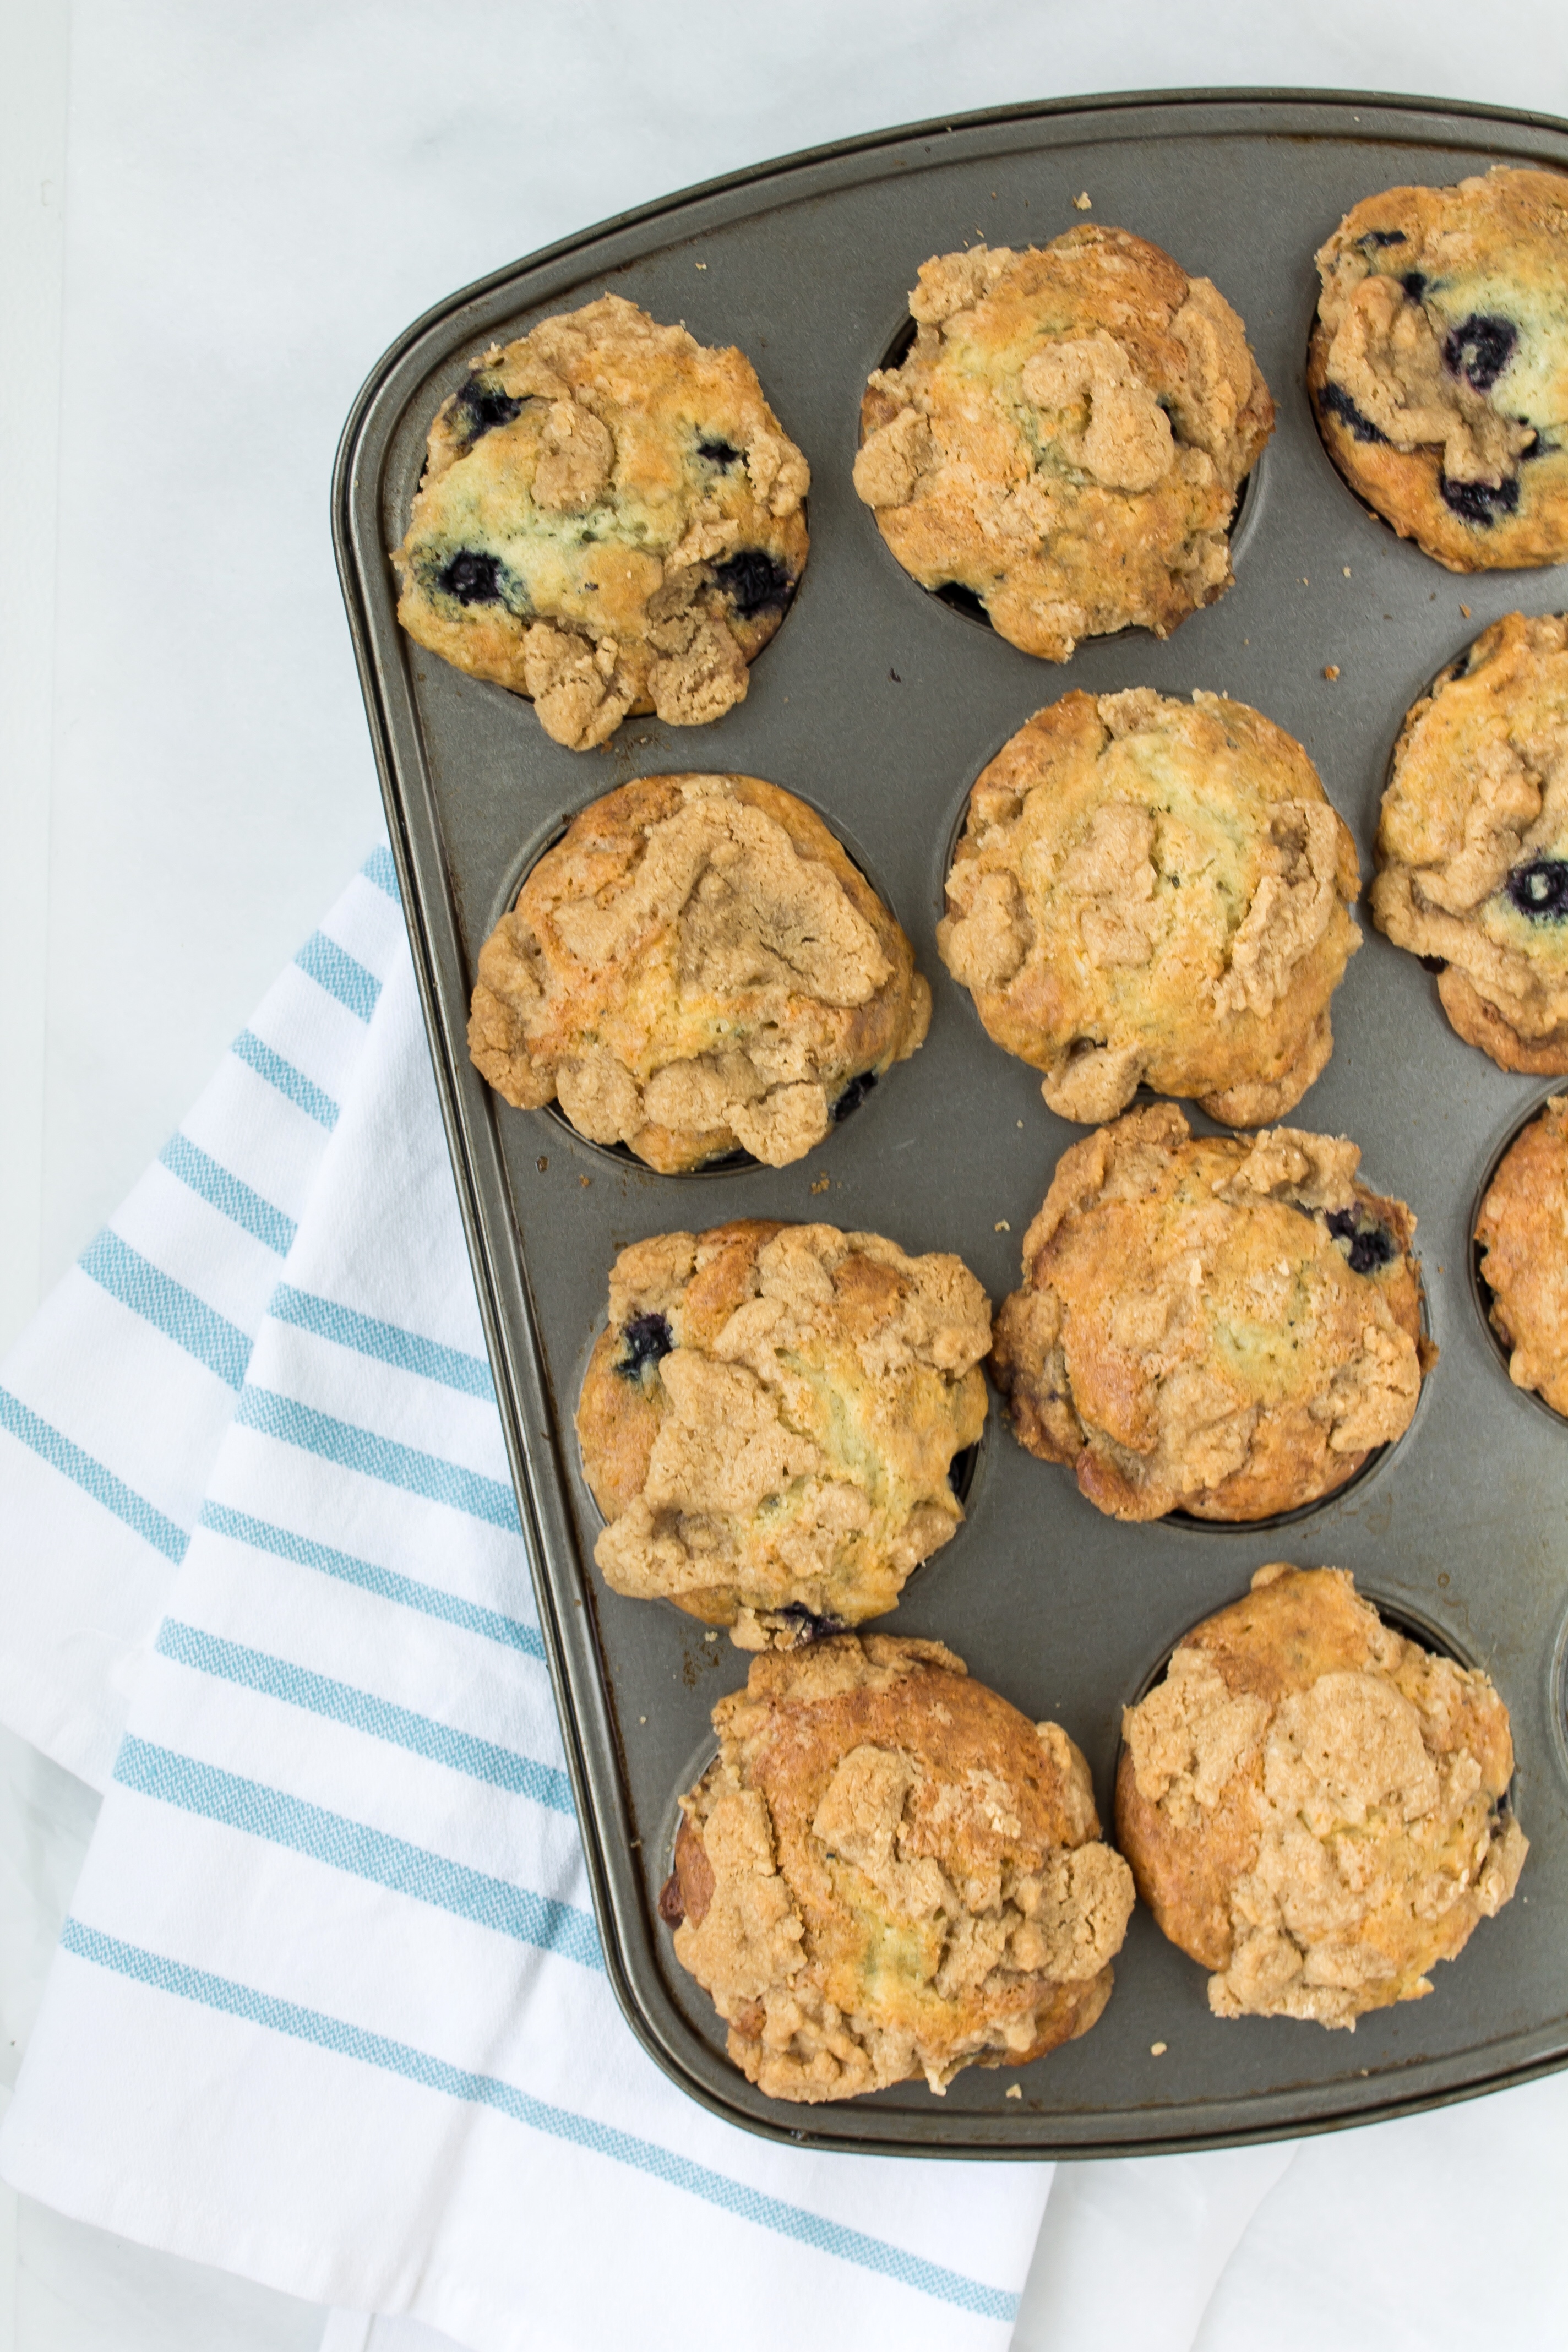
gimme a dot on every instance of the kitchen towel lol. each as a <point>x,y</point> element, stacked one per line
<point>330,2009</point>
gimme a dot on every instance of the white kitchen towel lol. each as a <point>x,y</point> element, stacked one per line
<point>330,2008</point>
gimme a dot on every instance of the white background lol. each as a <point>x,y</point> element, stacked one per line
<point>213,215</point>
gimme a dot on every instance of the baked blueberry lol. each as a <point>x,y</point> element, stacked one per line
<point>1438,365</point>
<point>1479,502</point>
<point>754,582</point>
<point>1540,890</point>
<point>1480,349</point>
<point>718,452</point>
<point>479,405</point>
<point>1336,402</point>
<point>854,1095</point>
<point>471,577</point>
<point>1368,1244</point>
<point>647,1337</point>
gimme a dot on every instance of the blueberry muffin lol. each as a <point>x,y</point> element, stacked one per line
<point>1313,1806</point>
<point>890,1873</point>
<point>611,519</point>
<point>770,1419</point>
<point>1523,1230</point>
<point>1154,893</point>
<point>1472,844</point>
<point>1222,1325</point>
<point>1066,437</point>
<point>1439,364</point>
<point>696,968</point>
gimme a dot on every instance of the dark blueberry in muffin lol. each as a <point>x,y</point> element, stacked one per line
<point>647,1337</point>
<point>1415,283</point>
<point>1382,237</point>
<point>960,1470</point>
<point>854,1095</point>
<point>1370,1244</point>
<point>813,1626</point>
<point>480,407</point>
<point>754,580</point>
<point>718,452</point>
<point>1540,890</point>
<point>471,578</point>
<point>1480,349</point>
<point>671,1902</point>
<point>1434,964</point>
<point>1479,502</point>
<point>1336,402</point>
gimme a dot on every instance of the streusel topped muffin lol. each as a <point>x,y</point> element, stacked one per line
<point>1154,893</point>
<point>1066,437</point>
<point>1313,1806</point>
<point>888,1873</point>
<point>770,1419</point>
<point>611,520</point>
<point>1438,365</point>
<point>1210,1323</point>
<point>697,967</point>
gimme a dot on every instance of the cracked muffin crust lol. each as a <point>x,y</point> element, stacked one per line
<point>697,967</point>
<point>1439,364</point>
<point>769,1419</point>
<point>611,520</point>
<point>1223,1325</point>
<point>888,1871</point>
<point>1523,1229</point>
<point>1472,844</point>
<point>1153,892</point>
<point>1312,1805</point>
<point>1066,436</point>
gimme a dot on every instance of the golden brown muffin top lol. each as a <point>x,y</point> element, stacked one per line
<point>769,1419</point>
<point>697,966</point>
<point>1309,1803</point>
<point>610,520</point>
<point>1439,364</point>
<point>1148,891</point>
<point>1523,1229</point>
<point>889,1871</point>
<point>1066,436</point>
<point>1472,843</point>
<point>1210,1323</point>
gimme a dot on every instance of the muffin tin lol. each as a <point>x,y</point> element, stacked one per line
<point>879,704</point>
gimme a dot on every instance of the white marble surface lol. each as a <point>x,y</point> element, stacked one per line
<point>200,259</point>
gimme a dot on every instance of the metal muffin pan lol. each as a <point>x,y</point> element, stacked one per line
<point>879,704</point>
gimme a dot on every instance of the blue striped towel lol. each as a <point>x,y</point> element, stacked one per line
<point>330,2008</point>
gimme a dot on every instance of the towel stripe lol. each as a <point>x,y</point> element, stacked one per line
<point>379,868</point>
<point>346,2041</point>
<point>340,974</point>
<point>303,1092</point>
<point>353,1847</point>
<point>168,1306</point>
<point>224,1192</point>
<point>480,1760</point>
<point>53,1447</point>
<point>388,1342</point>
<point>381,1458</point>
<point>261,1534</point>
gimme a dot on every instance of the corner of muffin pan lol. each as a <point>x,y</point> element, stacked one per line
<point>538,843</point>
<point>1480,1289</point>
